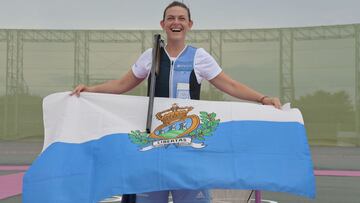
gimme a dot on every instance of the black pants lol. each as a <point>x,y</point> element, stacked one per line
<point>128,198</point>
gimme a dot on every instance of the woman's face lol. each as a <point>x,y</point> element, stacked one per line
<point>176,23</point>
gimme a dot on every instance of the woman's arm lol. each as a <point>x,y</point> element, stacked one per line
<point>126,83</point>
<point>236,89</point>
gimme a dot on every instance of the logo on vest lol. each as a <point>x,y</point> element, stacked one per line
<point>178,129</point>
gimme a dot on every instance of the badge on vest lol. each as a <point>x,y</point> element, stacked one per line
<point>177,128</point>
<point>183,91</point>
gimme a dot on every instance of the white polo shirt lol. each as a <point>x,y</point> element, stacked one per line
<point>205,66</point>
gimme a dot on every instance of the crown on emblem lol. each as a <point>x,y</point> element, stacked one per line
<point>175,113</point>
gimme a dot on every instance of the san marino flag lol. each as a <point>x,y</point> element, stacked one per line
<point>95,147</point>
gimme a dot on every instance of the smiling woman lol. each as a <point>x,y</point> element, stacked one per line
<point>176,23</point>
<point>182,68</point>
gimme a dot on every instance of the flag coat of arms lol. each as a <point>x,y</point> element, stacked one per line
<point>95,146</point>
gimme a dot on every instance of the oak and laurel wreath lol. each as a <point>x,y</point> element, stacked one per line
<point>139,138</point>
<point>208,125</point>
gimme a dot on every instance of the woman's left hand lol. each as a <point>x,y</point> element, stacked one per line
<point>272,101</point>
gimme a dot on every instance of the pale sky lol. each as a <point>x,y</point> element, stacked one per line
<point>146,14</point>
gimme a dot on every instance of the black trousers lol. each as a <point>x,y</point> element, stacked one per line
<point>128,198</point>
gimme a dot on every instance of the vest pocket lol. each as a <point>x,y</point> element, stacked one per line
<point>183,91</point>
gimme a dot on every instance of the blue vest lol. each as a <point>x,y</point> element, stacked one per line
<point>177,79</point>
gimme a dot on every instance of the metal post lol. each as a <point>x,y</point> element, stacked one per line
<point>5,121</point>
<point>20,82</point>
<point>357,82</point>
<point>287,90</point>
<point>14,80</point>
<point>81,64</point>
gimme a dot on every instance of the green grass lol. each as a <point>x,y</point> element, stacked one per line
<point>172,134</point>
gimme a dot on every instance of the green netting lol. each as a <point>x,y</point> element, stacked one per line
<point>316,69</point>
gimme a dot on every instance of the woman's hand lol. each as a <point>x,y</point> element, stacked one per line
<point>78,89</point>
<point>271,101</point>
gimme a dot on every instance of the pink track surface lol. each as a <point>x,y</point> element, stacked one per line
<point>337,173</point>
<point>11,185</point>
<point>13,168</point>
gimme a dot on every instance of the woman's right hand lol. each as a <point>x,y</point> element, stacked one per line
<point>78,89</point>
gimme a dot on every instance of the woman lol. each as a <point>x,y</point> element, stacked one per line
<point>182,68</point>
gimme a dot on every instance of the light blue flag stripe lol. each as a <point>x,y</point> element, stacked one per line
<point>261,155</point>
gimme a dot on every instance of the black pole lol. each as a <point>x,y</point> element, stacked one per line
<point>154,70</point>
<point>157,43</point>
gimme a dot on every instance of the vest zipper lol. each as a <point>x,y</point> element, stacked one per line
<point>172,72</point>
<point>171,79</point>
